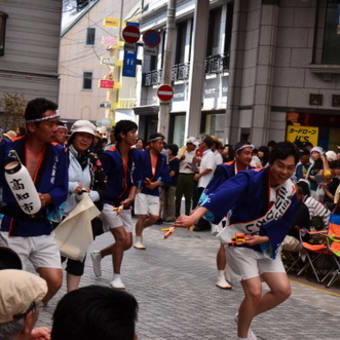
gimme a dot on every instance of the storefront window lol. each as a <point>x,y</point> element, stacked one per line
<point>214,124</point>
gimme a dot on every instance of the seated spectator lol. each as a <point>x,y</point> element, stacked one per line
<point>303,165</point>
<point>316,153</point>
<point>95,312</point>
<point>20,296</point>
<point>315,208</point>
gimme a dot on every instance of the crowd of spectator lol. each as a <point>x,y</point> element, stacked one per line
<point>66,163</point>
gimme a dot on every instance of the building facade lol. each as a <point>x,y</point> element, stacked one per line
<point>80,68</point>
<point>29,48</point>
<point>207,99</point>
<point>266,65</point>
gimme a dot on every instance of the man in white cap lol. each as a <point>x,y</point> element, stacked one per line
<point>20,295</point>
<point>186,176</point>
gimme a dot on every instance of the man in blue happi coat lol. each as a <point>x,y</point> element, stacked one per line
<point>243,156</point>
<point>156,172</point>
<point>31,236</point>
<point>124,170</point>
<point>263,206</point>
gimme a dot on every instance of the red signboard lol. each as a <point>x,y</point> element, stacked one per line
<point>165,93</point>
<point>131,34</point>
<point>106,84</point>
<point>151,38</point>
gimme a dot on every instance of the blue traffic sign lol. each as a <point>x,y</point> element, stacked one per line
<point>151,38</point>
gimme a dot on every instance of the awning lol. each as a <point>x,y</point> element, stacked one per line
<point>147,110</point>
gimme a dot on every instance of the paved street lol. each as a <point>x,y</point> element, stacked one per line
<point>174,283</point>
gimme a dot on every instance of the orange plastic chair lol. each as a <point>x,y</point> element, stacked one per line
<point>333,246</point>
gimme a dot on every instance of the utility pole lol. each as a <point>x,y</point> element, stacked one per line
<point>164,108</point>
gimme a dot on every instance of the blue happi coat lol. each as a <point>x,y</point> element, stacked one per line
<point>247,196</point>
<point>52,178</point>
<point>121,177</point>
<point>162,172</point>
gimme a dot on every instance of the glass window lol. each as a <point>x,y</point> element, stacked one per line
<point>214,124</point>
<point>331,48</point>
<point>214,31</point>
<point>180,45</point>
<point>90,36</point>
<point>228,31</point>
<point>179,126</point>
<point>87,80</point>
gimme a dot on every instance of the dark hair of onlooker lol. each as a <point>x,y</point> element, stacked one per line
<point>124,126</point>
<point>95,312</point>
<point>304,151</point>
<point>208,141</point>
<point>231,153</point>
<point>283,150</point>
<point>265,158</point>
<point>142,140</point>
<point>271,143</point>
<point>21,131</point>
<point>304,188</point>
<point>307,144</point>
<point>37,107</point>
<point>173,148</point>
<point>155,136</point>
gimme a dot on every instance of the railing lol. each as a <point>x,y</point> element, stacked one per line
<point>216,64</point>
<point>213,64</point>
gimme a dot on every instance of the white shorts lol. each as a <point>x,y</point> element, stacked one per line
<point>146,204</point>
<point>249,263</point>
<point>42,251</point>
<point>113,220</point>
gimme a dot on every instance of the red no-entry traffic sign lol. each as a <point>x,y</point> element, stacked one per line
<point>131,34</point>
<point>165,93</point>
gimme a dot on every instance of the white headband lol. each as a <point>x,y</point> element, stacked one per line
<point>155,139</point>
<point>56,115</point>
<point>245,146</point>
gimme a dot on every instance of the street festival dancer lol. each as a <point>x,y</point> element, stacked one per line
<point>122,164</point>
<point>243,156</point>
<point>31,236</point>
<point>156,172</point>
<point>263,205</point>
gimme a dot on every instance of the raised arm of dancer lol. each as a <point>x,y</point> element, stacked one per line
<point>187,221</point>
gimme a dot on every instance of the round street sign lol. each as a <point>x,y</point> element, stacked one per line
<point>151,38</point>
<point>131,34</point>
<point>165,93</point>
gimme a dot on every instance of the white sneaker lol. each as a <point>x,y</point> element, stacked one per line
<point>139,245</point>
<point>251,334</point>
<point>117,283</point>
<point>96,263</point>
<point>223,283</point>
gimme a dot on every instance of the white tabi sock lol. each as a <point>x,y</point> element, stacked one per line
<point>220,275</point>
